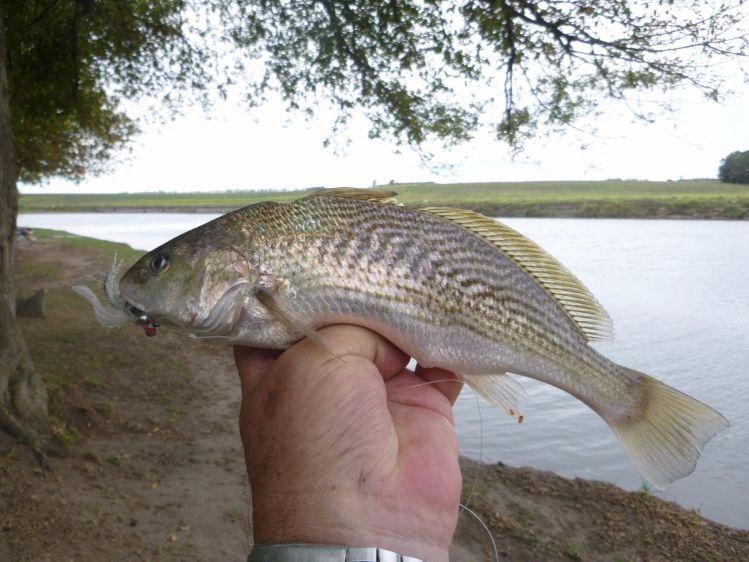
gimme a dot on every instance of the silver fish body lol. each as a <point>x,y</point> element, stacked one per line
<point>269,274</point>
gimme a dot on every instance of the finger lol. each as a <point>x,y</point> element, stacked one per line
<point>253,364</point>
<point>445,381</point>
<point>342,341</point>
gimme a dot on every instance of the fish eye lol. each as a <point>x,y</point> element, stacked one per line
<point>160,263</point>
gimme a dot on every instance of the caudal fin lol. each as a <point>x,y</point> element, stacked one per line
<point>665,441</point>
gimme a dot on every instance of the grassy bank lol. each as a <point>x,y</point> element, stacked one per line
<point>68,241</point>
<point>155,470</point>
<point>611,198</point>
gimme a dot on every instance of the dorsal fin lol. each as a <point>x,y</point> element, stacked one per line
<point>373,195</point>
<point>567,290</point>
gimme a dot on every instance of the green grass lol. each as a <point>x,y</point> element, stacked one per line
<point>186,201</point>
<point>63,432</point>
<point>610,198</point>
<point>42,272</point>
<point>571,551</point>
<point>9,460</point>
<point>234,515</point>
<point>73,240</point>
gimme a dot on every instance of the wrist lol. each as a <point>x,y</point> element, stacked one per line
<point>346,519</point>
<point>324,553</point>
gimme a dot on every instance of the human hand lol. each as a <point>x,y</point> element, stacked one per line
<point>352,449</point>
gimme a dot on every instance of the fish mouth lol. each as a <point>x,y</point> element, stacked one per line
<point>220,321</point>
<point>114,296</point>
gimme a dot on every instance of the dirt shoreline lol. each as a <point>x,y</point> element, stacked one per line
<point>155,470</point>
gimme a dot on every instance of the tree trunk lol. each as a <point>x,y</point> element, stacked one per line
<point>23,396</point>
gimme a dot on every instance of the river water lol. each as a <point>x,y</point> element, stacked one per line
<point>678,292</point>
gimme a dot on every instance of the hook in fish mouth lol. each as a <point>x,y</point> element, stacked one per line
<point>143,319</point>
<point>114,297</point>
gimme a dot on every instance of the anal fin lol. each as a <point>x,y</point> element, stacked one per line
<point>500,390</point>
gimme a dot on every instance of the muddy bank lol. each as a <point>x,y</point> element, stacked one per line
<point>155,470</point>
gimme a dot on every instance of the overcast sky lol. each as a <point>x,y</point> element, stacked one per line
<point>269,148</point>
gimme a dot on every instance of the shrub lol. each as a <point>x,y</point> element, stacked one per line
<point>734,168</point>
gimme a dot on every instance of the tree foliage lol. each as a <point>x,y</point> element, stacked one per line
<point>443,69</point>
<point>72,63</point>
<point>734,168</point>
<point>420,70</point>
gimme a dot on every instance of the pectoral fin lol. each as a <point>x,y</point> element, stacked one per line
<point>270,296</point>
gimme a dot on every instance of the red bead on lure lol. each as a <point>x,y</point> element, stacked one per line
<point>149,326</point>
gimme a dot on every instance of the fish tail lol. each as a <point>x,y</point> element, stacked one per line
<point>665,438</point>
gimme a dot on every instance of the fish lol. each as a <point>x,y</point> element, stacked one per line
<point>452,288</point>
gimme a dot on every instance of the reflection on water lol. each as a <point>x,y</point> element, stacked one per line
<point>679,296</point>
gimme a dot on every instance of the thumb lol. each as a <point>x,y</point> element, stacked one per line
<point>253,364</point>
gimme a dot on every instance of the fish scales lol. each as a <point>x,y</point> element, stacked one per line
<point>405,278</point>
<point>451,288</point>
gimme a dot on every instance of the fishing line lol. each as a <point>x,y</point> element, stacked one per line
<point>98,278</point>
<point>481,433</point>
<point>488,532</point>
<point>177,324</point>
<point>474,485</point>
<point>481,452</point>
